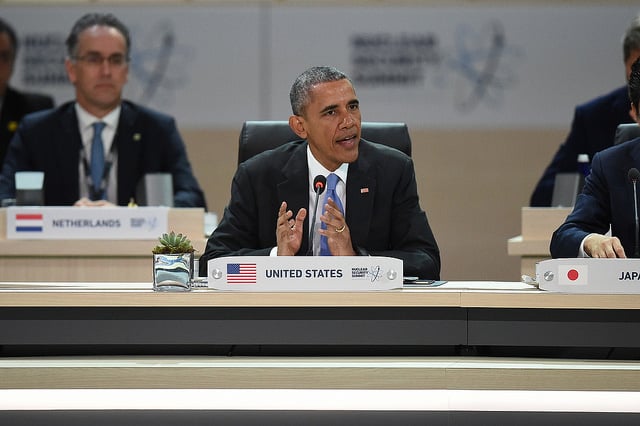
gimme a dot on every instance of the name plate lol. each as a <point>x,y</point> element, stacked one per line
<point>596,276</point>
<point>68,223</point>
<point>308,273</point>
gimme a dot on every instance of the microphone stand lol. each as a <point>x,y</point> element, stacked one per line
<point>636,252</point>
<point>318,187</point>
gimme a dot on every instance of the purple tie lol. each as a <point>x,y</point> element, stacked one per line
<point>332,181</point>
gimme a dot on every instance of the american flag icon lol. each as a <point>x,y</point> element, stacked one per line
<point>241,273</point>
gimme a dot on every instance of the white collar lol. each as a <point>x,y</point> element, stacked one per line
<point>85,119</point>
<point>315,168</point>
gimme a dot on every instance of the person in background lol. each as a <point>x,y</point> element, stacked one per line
<point>594,124</point>
<point>13,104</point>
<point>375,210</point>
<point>95,150</point>
<point>607,200</point>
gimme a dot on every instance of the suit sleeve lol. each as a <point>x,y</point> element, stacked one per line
<point>591,214</point>
<point>238,233</point>
<point>564,161</point>
<point>186,190</point>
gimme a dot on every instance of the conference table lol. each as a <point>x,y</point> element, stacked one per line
<point>74,352</point>
<point>131,316</point>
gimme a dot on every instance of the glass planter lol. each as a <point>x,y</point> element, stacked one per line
<point>172,272</point>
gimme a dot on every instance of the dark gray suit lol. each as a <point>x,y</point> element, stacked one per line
<point>383,213</point>
<point>146,142</point>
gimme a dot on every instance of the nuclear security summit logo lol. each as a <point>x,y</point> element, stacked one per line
<point>478,64</point>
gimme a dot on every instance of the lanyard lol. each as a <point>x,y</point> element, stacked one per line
<point>93,194</point>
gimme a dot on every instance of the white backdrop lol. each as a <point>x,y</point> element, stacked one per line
<point>433,67</point>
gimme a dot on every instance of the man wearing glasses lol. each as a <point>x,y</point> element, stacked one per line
<point>94,151</point>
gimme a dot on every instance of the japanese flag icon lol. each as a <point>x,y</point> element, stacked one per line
<point>573,275</point>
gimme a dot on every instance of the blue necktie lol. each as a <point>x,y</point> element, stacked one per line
<point>97,158</point>
<point>332,181</point>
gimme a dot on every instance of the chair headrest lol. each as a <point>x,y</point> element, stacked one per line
<point>259,136</point>
<point>625,132</point>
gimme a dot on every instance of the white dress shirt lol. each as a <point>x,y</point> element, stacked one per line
<point>85,126</point>
<point>315,169</point>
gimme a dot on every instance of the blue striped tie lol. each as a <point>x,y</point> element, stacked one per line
<point>97,158</point>
<point>332,181</point>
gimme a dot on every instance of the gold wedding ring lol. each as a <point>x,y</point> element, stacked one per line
<point>338,230</point>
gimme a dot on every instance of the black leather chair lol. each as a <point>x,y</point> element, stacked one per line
<point>626,132</point>
<point>258,136</point>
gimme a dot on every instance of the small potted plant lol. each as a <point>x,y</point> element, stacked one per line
<point>173,262</point>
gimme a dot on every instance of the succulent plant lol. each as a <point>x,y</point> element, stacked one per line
<point>173,243</point>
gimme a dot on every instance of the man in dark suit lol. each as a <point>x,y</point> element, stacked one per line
<point>13,104</point>
<point>594,125</point>
<point>132,140</point>
<point>378,212</point>
<point>607,200</point>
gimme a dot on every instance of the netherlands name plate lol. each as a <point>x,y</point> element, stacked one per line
<point>111,223</point>
<point>305,273</point>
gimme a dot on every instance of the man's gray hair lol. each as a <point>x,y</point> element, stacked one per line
<point>299,95</point>
<point>88,21</point>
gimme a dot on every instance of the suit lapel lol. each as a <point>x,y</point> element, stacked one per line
<point>361,189</point>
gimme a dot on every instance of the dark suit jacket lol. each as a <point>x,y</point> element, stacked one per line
<point>592,130</point>
<point>16,105</point>
<point>607,198</point>
<point>146,142</point>
<point>386,220</point>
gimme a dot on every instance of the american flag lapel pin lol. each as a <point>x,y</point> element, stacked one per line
<point>364,190</point>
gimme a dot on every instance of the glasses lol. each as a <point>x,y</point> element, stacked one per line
<point>117,60</point>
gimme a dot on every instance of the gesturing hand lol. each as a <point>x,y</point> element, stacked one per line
<point>289,230</point>
<point>337,232</point>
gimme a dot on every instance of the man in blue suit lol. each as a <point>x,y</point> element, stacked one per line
<point>594,125</point>
<point>272,192</point>
<point>607,200</point>
<point>133,140</point>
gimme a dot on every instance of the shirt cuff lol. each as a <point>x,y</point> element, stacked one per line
<point>581,252</point>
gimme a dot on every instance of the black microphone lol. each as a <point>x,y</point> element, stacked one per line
<point>634,175</point>
<point>319,182</point>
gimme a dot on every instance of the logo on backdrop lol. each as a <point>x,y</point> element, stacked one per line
<point>479,66</point>
<point>156,70</point>
<point>43,58</point>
